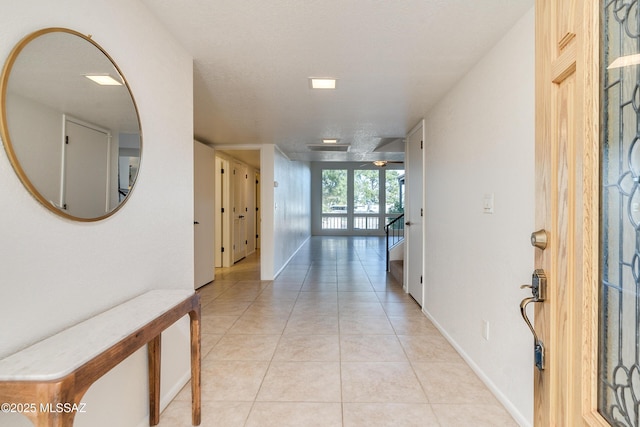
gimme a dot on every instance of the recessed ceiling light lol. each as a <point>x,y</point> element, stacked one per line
<point>322,83</point>
<point>104,80</point>
<point>329,141</point>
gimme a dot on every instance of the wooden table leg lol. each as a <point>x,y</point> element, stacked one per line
<point>196,406</point>
<point>154,350</point>
<point>51,399</point>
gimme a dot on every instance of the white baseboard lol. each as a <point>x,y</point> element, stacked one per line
<point>515,413</point>
<point>277,273</point>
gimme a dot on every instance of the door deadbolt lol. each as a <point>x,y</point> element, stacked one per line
<point>539,239</point>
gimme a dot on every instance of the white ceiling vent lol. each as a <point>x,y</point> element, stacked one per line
<point>329,147</point>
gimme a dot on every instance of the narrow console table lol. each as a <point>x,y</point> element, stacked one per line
<point>47,380</point>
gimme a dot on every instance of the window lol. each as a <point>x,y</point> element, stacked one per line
<point>394,182</point>
<point>366,199</point>
<point>334,199</point>
<point>358,200</point>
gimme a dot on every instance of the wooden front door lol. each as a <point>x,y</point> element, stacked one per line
<point>568,73</point>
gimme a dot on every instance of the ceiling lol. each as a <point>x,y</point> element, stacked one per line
<point>393,60</point>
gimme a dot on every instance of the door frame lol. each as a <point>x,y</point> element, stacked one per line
<point>567,206</point>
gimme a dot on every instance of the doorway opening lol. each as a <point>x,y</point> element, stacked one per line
<point>237,206</point>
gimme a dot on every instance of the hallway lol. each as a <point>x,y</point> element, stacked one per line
<point>333,341</point>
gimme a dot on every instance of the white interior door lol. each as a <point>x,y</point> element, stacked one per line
<point>204,213</point>
<point>258,214</point>
<point>85,171</point>
<point>413,214</point>
<point>219,214</point>
<point>239,212</point>
<point>250,216</point>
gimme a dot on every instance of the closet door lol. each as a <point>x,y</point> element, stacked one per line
<point>86,170</point>
<point>240,209</point>
<point>251,211</point>
<point>204,162</point>
<point>413,215</point>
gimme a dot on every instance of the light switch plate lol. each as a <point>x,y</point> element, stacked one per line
<point>487,203</point>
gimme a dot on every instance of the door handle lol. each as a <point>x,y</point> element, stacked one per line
<point>195,223</point>
<point>241,217</point>
<point>408,223</point>
<point>539,293</point>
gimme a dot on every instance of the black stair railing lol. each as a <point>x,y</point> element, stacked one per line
<point>395,234</point>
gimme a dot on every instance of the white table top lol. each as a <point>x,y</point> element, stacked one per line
<point>64,352</point>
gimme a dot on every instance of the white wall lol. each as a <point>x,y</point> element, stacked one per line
<point>45,143</point>
<point>292,208</point>
<point>286,214</point>
<point>480,140</point>
<point>56,272</point>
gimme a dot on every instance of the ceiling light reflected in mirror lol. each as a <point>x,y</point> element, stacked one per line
<point>322,83</point>
<point>103,80</point>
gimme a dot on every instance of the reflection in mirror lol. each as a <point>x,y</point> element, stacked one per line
<point>69,124</point>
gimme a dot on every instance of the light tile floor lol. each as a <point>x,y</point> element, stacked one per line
<point>333,341</point>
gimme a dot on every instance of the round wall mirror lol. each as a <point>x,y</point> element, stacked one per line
<point>69,124</point>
